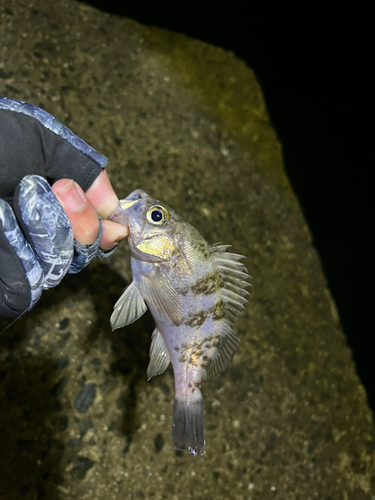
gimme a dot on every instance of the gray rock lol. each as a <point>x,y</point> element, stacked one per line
<point>62,363</point>
<point>85,398</point>
<point>187,123</point>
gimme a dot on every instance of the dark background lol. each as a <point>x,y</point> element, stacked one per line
<point>315,66</point>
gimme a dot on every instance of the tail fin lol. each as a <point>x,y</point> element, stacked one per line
<point>188,426</point>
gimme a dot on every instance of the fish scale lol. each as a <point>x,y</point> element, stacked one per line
<point>195,293</point>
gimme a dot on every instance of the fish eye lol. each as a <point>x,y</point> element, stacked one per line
<point>157,215</point>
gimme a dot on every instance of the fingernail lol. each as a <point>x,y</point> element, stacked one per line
<point>72,195</point>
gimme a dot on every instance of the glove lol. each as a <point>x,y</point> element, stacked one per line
<point>37,247</point>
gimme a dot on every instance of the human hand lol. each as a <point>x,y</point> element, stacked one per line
<point>47,234</point>
<point>63,234</point>
<point>83,210</point>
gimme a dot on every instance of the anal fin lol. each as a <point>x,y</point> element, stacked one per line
<point>159,357</point>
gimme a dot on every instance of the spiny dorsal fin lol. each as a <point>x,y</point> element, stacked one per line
<point>129,307</point>
<point>159,357</point>
<point>234,275</point>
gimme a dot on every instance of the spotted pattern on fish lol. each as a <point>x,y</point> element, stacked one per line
<point>197,319</point>
<point>208,284</point>
<point>194,387</point>
<point>194,352</point>
<point>204,342</point>
<point>192,357</point>
<point>215,343</point>
<point>196,356</point>
<point>202,248</point>
<point>218,310</point>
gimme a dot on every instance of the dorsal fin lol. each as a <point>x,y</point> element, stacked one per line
<point>228,345</point>
<point>234,277</point>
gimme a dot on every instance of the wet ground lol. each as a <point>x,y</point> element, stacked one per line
<point>186,122</point>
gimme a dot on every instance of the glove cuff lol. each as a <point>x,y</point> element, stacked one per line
<point>83,254</point>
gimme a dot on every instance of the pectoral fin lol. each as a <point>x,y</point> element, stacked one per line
<point>129,307</point>
<point>159,357</point>
<point>160,294</point>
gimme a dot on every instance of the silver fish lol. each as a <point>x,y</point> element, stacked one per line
<point>195,293</point>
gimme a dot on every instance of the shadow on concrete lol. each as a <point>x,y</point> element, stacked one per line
<point>31,425</point>
<point>32,421</point>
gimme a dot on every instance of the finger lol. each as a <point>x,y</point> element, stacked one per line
<point>102,195</point>
<point>113,233</point>
<point>80,211</point>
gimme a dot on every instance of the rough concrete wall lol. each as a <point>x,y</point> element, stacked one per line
<point>187,123</point>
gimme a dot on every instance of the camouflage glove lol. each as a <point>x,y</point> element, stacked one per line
<point>37,247</point>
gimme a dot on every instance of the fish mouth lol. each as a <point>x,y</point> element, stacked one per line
<point>133,198</point>
<point>119,215</point>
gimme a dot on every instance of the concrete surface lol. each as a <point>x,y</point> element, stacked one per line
<point>187,123</point>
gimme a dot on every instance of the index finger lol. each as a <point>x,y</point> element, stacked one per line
<point>102,195</point>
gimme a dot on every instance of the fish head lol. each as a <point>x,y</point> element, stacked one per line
<point>153,226</point>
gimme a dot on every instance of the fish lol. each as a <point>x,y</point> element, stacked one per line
<point>195,293</point>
